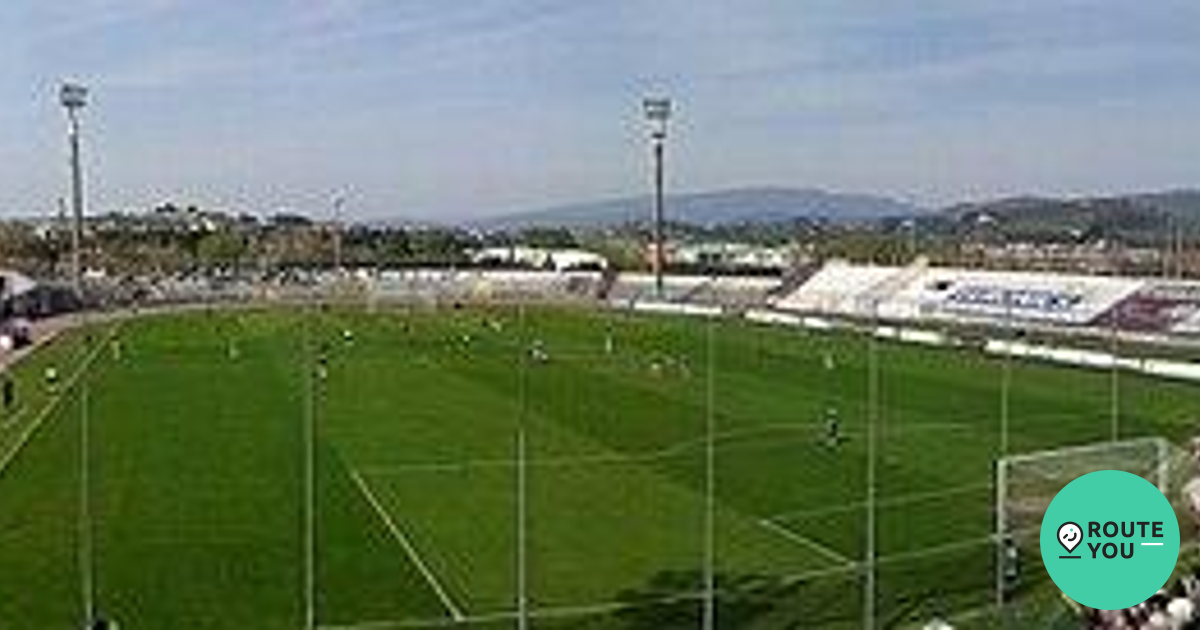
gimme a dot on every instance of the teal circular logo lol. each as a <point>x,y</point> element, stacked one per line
<point>1110,539</point>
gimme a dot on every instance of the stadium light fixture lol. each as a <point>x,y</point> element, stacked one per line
<point>73,97</point>
<point>657,111</point>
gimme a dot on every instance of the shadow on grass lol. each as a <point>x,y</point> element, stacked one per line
<point>670,600</point>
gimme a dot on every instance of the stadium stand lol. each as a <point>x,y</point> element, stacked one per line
<point>1159,307</point>
<point>739,292</point>
<point>629,288</point>
<point>728,292</point>
<point>837,289</point>
<point>994,295</point>
<point>440,286</point>
<point>921,293</point>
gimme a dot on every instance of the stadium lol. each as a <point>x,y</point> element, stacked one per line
<point>548,315</point>
<point>862,445</point>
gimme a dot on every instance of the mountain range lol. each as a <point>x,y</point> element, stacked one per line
<point>732,206</point>
<point>1131,214</point>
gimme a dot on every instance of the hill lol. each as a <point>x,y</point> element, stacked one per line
<point>1140,217</point>
<point>740,205</point>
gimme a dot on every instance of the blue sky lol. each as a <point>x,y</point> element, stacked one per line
<point>444,109</point>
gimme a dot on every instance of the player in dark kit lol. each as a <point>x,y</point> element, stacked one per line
<point>8,392</point>
<point>833,426</point>
<point>323,362</point>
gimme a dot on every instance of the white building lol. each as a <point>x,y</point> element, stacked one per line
<point>541,258</point>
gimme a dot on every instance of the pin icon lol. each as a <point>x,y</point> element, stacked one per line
<point>1069,536</point>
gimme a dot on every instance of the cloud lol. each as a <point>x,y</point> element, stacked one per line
<point>48,22</point>
<point>538,97</point>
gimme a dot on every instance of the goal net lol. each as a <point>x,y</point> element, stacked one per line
<point>1026,483</point>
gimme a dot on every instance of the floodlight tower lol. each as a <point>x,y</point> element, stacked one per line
<point>73,98</point>
<point>657,111</point>
<point>338,226</point>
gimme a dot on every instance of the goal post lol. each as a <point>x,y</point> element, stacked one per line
<point>1025,484</point>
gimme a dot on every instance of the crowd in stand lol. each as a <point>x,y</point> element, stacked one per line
<point>1173,608</point>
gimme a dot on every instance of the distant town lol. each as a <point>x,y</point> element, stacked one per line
<point>1136,235</point>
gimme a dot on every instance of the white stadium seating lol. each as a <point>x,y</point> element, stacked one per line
<point>839,288</point>
<point>990,295</point>
<point>925,293</point>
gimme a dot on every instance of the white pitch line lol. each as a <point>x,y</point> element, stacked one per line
<point>15,419</point>
<point>915,497</point>
<point>456,613</point>
<point>50,407</point>
<point>608,607</point>
<point>505,615</point>
<point>804,540</point>
<point>677,449</point>
<point>563,611</point>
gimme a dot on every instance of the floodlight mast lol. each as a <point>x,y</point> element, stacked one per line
<point>339,228</point>
<point>658,111</point>
<point>73,97</point>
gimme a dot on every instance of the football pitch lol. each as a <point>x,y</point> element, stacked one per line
<point>264,469</point>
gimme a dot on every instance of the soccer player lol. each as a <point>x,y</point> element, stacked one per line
<point>322,367</point>
<point>347,336</point>
<point>538,351</point>
<point>323,361</point>
<point>833,428</point>
<point>1012,562</point>
<point>9,393</point>
<point>51,376</point>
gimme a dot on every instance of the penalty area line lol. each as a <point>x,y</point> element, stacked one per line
<point>556,612</point>
<point>53,404</point>
<point>410,550</point>
<point>792,536</point>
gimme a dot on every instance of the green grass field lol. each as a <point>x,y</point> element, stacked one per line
<point>199,507</point>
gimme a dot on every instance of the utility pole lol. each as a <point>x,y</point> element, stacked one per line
<point>710,481</point>
<point>869,560</point>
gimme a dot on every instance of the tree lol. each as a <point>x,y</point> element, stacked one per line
<point>223,248</point>
<point>548,238</point>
